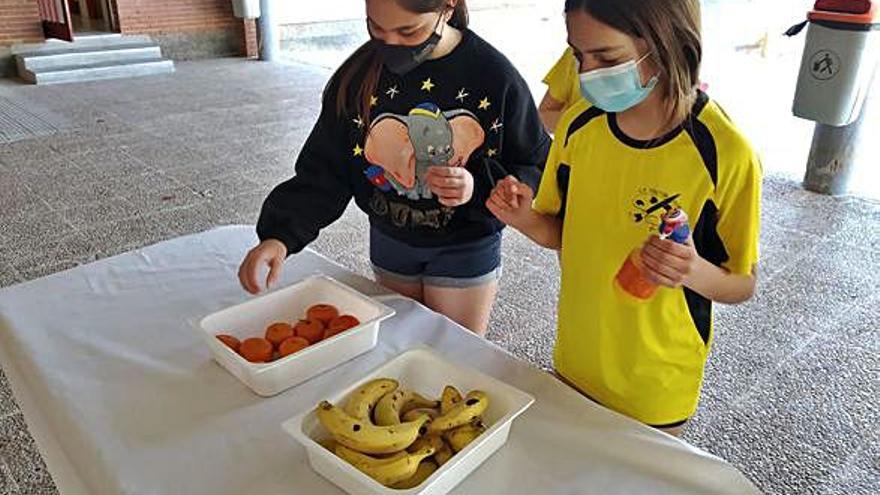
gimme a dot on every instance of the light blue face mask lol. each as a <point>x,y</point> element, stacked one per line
<point>618,88</point>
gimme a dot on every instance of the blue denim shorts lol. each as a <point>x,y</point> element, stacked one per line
<point>470,264</point>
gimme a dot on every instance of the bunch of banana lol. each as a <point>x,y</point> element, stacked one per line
<point>398,437</point>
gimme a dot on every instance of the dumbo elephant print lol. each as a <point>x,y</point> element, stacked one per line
<point>401,148</point>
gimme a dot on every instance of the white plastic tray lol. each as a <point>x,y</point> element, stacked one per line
<point>427,373</point>
<point>251,318</point>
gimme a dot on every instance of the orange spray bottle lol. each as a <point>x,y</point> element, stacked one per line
<point>630,278</point>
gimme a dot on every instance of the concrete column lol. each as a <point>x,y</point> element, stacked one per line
<point>270,45</point>
<point>834,153</point>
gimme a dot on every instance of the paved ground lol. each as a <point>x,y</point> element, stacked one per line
<point>792,384</point>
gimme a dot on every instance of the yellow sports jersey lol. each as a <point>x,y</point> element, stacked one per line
<point>644,359</point>
<point>562,81</point>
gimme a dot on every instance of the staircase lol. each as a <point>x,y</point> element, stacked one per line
<point>90,58</point>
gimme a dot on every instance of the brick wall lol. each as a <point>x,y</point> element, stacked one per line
<point>186,29</point>
<point>19,22</point>
<point>175,16</point>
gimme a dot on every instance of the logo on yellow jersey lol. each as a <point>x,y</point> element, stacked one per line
<point>650,204</point>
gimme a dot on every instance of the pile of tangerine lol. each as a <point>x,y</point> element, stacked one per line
<point>322,321</point>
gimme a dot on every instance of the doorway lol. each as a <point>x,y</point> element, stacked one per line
<point>61,18</point>
<point>92,16</point>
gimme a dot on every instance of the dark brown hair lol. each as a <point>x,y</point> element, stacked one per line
<point>671,28</point>
<point>356,80</point>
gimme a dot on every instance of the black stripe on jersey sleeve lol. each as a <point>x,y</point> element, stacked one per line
<point>710,246</point>
<point>563,177</point>
<point>582,120</point>
<point>703,139</point>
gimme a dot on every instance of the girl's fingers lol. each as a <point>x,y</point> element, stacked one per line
<point>511,192</point>
<point>514,200</point>
<point>448,191</point>
<point>449,197</point>
<point>662,280</point>
<point>275,265</point>
<point>242,279</point>
<point>499,204</point>
<point>492,208</point>
<point>509,203</point>
<point>500,214</point>
<point>670,248</point>
<point>248,275</point>
<point>520,191</point>
<point>448,182</point>
<point>658,271</point>
<point>662,257</point>
<point>446,172</point>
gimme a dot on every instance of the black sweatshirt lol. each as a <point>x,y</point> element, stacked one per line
<point>469,107</point>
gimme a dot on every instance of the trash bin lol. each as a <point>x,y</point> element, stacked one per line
<point>840,54</point>
<point>246,9</point>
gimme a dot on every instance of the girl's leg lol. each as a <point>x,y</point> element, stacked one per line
<point>462,282</point>
<point>413,290</point>
<point>468,306</point>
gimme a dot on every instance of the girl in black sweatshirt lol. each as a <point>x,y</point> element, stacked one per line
<point>416,126</point>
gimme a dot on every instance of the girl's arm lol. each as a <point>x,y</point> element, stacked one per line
<point>296,210</point>
<point>719,285</point>
<point>544,230</point>
<point>511,202</point>
<point>551,110</point>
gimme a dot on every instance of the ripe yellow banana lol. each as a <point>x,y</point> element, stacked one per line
<point>361,401</point>
<point>413,414</point>
<point>450,397</point>
<point>414,400</point>
<point>388,457</point>
<point>461,437</point>
<point>433,441</point>
<point>386,471</point>
<point>392,406</point>
<point>365,437</point>
<point>443,454</point>
<point>328,443</point>
<point>387,410</point>
<point>423,472</point>
<point>469,409</point>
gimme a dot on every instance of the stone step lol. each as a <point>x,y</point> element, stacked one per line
<point>81,42</point>
<point>98,71</point>
<point>84,56</point>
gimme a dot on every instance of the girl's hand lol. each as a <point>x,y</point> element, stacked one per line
<point>511,201</point>
<point>454,186</point>
<point>669,263</point>
<point>270,252</point>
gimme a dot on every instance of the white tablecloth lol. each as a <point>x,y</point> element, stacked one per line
<point>123,397</point>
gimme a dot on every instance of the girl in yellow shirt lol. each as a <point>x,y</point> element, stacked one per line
<point>644,144</point>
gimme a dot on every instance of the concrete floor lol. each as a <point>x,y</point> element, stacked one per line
<point>791,388</point>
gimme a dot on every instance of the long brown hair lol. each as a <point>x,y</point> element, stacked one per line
<point>672,30</point>
<point>356,80</point>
